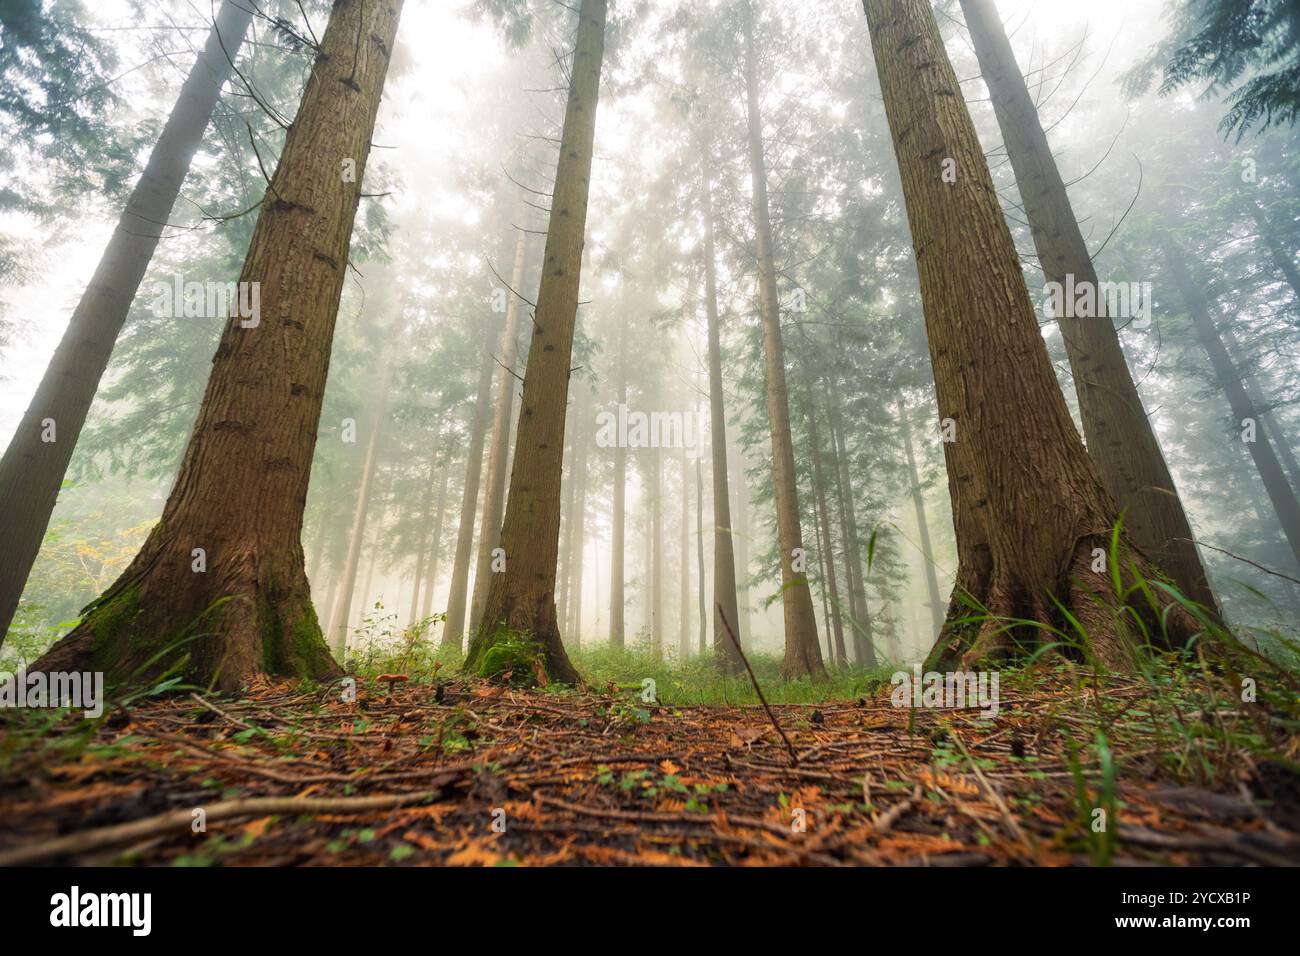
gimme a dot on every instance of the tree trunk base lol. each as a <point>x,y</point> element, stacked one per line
<point>1019,620</point>
<point>219,629</point>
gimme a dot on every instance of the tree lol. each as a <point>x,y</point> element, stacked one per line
<point>1028,504</point>
<point>1119,435</point>
<point>36,460</point>
<point>219,588</point>
<point>522,598</point>
<point>802,652</point>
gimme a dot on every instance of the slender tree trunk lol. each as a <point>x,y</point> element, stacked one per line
<point>740,537</point>
<point>864,648</point>
<point>499,449</point>
<point>699,556</point>
<point>578,517</point>
<point>36,460</point>
<point>1270,471</point>
<point>1029,506</point>
<point>684,557</point>
<point>802,653</point>
<point>656,548</point>
<point>243,479</point>
<point>1281,256</point>
<point>435,547</point>
<point>565,570</point>
<point>618,520</point>
<point>724,557</point>
<point>836,620</point>
<point>1281,444</point>
<point>523,596</point>
<point>338,628</point>
<point>426,526</point>
<point>922,524</point>
<point>1120,437</point>
<point>821,585</point>
<point>457,599</point>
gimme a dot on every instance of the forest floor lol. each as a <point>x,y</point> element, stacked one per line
<point>466,772</point>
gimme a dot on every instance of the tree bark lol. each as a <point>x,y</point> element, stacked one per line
<point>458,597</point>
<point>1285,505</point>
<point>431,581</point>
<point>802,652</point>
<point>578,518</point>
<point>499,449</point>
<point>725,600</point>
<point>864,647</point>
<point>522,598</point>
<point>618,519</point>
<point>1119,435</point>
<point>426,526</point>
<point>1029,506</point>
<point>33,467</point>
<point>684,557</point>
<point>824,521</point>
<point>243,478</point>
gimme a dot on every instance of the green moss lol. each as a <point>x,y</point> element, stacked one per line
<point>509,655</point>
<point>110,621</point>
<point>299,653</point>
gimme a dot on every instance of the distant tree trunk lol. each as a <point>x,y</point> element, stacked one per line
<point>1272,239</point>
<point>523,596</point>
<point>578,518</point>
<point>426,525</point>
<point>802,653</point>
<point>724,558</point>
<point>1279,491</point>
<point>922,524</point>
<point>831,582</point>
<point>684,557</point>
<point>458,597</point>
<point>1281,443</point>
<point>242,481</point>
<point>338,625</point>
<point>435,546</point>
<point>1120,437</point>
<point>656,553</point>
<point>618,519</point>
<point>740,536</point>
<point>821,585</point>
<point>864,649</point>
<point>33,467</point>
<point>565,570</point>
<point>1028,503</point>
<point>699,556</point>
<point>499,449</point>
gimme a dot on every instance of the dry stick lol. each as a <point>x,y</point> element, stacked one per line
<point>88,840</point>
<point>794,759</point>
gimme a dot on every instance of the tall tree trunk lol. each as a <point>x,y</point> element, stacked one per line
<point>1120,437</point>
<point>523,596</point>
<point>243,479</point>
<point>922,524</point>
<point>1028,503</point>
<point>864,647</point>
<point>565,569</point>
<point>1281,444</point>
<point>824,522</point>
<point>1278,252</point>
<point>699,556</point>
<point>458,597</point>
<point>618,519</point>
<point>339,623</point>
<point>1279,491</point>
<point>802,653</point>
<point>499,449</point>
<point>724,557</point>
<point>656,548</point>
<point>684,557</point>
<point>34,464</point>
<point>435,546</point>
<point>426,526</point>
<point>740,537</point>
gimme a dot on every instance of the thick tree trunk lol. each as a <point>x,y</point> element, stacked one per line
<point>1283,498</point>
<point>339,623</point>
<point>725,601</point>
<point>522,598</point>
<point>499,450</point>
<point>618,519</point>
<point>243,479</point>
<point>1028,504</point>
<point>458,597</point>
<point>1119,435</point>
<point>34,464</point>
<point>922,524</point>
<point>802,653</point>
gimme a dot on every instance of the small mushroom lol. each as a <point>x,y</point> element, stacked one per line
<point>392,679</point>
